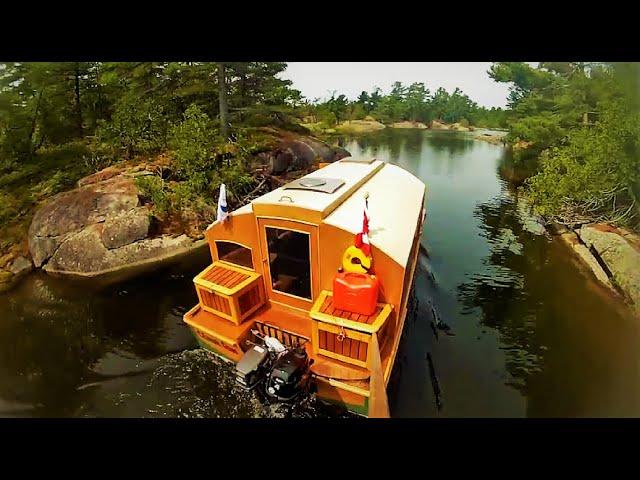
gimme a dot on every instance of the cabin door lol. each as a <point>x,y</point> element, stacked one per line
<point>290,261</point>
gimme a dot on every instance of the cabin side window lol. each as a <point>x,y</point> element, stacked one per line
<point>234,253</point>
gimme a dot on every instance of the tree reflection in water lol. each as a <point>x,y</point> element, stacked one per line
<point>503,290</point>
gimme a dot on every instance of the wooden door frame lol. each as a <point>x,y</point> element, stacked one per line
<point>283,298</point>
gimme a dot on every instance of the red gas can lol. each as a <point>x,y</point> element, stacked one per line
<point>355,292</point>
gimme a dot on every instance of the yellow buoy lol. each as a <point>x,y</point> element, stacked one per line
<point>354,260</point>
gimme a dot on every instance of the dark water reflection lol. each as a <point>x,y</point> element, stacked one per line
<point>532,333</point>
<point>70,348</point>
<point>535,335</point>
<point>57,336</point>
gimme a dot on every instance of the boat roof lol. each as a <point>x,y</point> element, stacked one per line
<point>395,199</point>
<point>352,173</point>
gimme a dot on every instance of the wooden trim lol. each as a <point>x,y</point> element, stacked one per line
<point>208,331</point>
<point>343,358</point>
<point>404,299</point>
<point>288,332</point>
<point>284,219</point>
<point>382,317</point>
<point>261,301</point>
<point>315,338</point>
<point>231,264</point>
<point>217,256</point>
<point>229,295</point>
<point>298,212</point>
<point>344,386</point>
<point>310,229</point>
<point>378,401</point>
<point>288,306</point>
<point>363,337</point>
<point>234,308</point>
<point>209,309</point>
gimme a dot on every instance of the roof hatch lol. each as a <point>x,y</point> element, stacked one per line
<point>315,184</point>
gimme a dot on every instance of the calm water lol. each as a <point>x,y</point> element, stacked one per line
<point>531,333</point>
<point>534,335</point>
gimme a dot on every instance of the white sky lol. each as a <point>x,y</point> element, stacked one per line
<point>318,79</point>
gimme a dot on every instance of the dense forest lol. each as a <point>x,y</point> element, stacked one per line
<point>575,126</point>
<point>60,121</point>
<point>578,129</point>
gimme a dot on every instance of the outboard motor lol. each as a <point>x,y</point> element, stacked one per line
<point>252,367</point>
<point>289,375</point>
<point>285,371</point>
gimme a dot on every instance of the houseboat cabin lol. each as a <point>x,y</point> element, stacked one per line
<point>276,260</point>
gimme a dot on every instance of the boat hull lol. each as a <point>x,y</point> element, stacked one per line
<point>223,350</point>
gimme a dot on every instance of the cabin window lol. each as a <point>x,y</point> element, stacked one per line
<point>289,261</point>
<point>234,253</point>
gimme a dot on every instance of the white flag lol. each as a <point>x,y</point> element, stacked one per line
<point>223,211</point>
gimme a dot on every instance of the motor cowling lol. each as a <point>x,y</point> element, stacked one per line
<point>252,367</point>
<point>289,375</point>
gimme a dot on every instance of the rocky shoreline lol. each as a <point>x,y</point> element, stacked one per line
<point>611,253</point>
<point>102,228</point>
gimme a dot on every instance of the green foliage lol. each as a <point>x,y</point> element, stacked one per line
<point>60,121</point>
<point>152,188</point>
<point>523,77</point>
<point>193,141</point>
<point>595,175</point>
<point>138,125</point>
<point>581,123</point>
<point>412,102</point>
<point>203,160</point>
<point>9,209</point>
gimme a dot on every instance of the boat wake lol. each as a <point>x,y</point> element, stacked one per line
<point>197,384</point>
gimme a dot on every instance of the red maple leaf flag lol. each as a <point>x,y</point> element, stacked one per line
<point>362,238</point>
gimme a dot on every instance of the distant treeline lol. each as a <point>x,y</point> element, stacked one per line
<point>414,103</point>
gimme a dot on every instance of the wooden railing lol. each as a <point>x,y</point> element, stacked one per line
<point>230,292</point>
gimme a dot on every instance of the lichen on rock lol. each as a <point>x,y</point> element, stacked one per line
<point>99,227</point>
<point>620,253</point>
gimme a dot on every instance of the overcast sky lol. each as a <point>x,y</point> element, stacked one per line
<point>318,79</point>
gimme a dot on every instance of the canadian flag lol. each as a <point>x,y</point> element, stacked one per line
<point>362,238</point>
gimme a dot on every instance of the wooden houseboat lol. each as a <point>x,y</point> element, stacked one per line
<point>275,261</point>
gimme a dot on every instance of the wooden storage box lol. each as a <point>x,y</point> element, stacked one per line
<point>230,292</point>
<point>346,336</point>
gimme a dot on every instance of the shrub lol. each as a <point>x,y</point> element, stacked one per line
<point>153,188</point>
<point>8,208</point>
<point>594,175</point>
<point>193,141</point>
<point>138,125</point>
